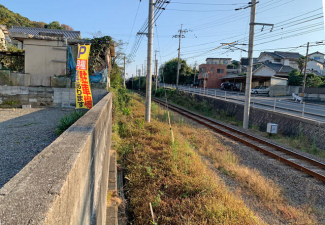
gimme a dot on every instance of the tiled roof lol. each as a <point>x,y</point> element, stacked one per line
<point>272,54</point>
<point>316,53</point>
<point>284,55</point>
<point>279,68</point>
<point>36,31</point>
<point>289,55</point>
<point>310,59</point>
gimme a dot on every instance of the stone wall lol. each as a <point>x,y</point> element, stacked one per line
<point>43,96</point>
<point>67,182</point>
<point>288,124</point>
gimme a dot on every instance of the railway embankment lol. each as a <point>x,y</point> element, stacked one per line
<point>289,126</point>
<point>178,168</point>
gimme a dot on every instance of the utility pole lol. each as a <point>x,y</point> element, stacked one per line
<point>124,73</point>
<point>194,73</point>
<point>156,69</point>
<point>149,60</point>
<point>250,65</point>
<point>304,82</point>
<point>252,24</point>
<point>136,73</point>
<point>140,77</point>
<point>179,56</point>
<point>180,36</point>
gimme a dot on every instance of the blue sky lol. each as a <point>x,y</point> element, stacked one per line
<point>211,22</point>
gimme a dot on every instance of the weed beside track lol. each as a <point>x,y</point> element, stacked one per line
<point>170,176</point>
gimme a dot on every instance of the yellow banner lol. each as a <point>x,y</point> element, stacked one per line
<point>83,93</point>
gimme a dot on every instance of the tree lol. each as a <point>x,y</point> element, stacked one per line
<point>301,63</point>
<point>116,76</point>
<point>54,25</point>
<point>186,74</point>
<point>66,27</point>
<point>295,78</point>
<point>37,24</point>
<point>10,18</point>
<point>313,80</point>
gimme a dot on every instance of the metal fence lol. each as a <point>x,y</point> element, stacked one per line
<point>284,105</point>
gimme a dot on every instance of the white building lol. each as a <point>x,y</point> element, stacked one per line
<point>316,63</point>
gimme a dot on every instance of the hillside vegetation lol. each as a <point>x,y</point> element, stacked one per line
<point>9,18</point>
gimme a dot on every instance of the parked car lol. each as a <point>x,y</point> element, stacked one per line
<point>260,90</point>
<point>229,86</point>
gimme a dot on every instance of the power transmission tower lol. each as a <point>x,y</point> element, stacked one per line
<point>304,82</point>
<point>156,69</point>
<point>252,24</point>
<point>124,74</point>
<point>180,36</point>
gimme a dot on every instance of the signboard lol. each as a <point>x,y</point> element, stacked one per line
<point>83,93</point>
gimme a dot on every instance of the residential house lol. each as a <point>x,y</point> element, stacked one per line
<point>215,68</point>
<point>271,68</point>
<point>45,52</point>
<point>280,58</point>
<point>316,63</point>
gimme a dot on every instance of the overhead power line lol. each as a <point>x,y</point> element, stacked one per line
<point>159,8</point>
<point>202,3</point>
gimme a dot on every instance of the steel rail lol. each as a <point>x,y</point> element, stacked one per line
<point>211,124</point>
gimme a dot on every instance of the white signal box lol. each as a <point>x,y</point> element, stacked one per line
<point>272,128</point>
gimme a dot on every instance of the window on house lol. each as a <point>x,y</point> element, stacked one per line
<point>212,69</point>
<point>225,62</point>
<point>219,70</point>
<point>277,60</point>
<point>317,58</point>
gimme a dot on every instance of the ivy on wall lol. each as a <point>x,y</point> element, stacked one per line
<point>99,48</point>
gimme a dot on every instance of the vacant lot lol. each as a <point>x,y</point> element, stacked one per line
<point>23,134</point>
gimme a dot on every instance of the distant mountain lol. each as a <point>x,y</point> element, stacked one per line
<point>9,18</point>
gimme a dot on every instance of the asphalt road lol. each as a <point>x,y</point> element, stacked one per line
<point>283,104</point>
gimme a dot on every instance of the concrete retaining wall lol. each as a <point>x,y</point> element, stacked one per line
<point>288,124</point>
<point>283,90</point>
<point>314,97</point>
<point>67,182</point>
<point>44,96</point>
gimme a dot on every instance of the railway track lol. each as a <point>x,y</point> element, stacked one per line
<point>305,164</point>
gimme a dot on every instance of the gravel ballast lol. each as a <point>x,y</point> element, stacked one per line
<point>23,134</point>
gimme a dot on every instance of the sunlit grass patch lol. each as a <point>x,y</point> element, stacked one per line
<point>170,175</point>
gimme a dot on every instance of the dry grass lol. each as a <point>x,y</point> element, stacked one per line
<point>171,176</point>
<point>227,162</point>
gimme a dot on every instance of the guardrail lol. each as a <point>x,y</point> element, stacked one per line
<point>307,111</point>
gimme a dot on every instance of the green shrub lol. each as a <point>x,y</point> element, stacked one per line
<point>67,120</point>
<point>160,92</point>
